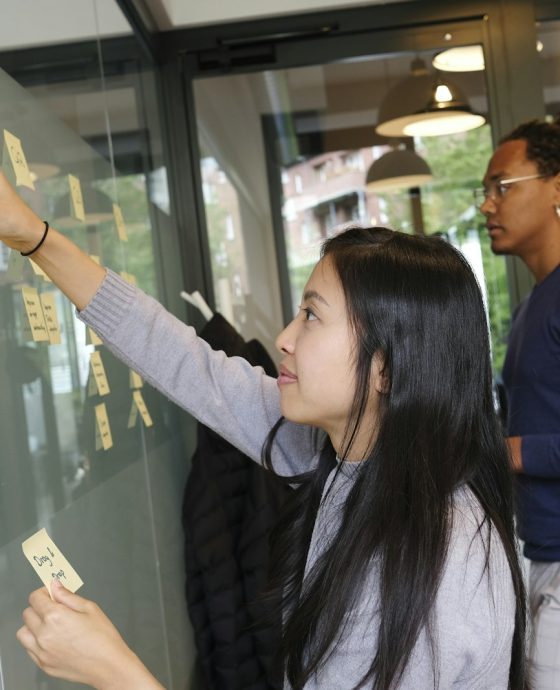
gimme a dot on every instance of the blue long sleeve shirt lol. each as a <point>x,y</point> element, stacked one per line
<point>532,382</point>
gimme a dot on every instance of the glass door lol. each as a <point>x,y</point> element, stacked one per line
<point>285,153</point>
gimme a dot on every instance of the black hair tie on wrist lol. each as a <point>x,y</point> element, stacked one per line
<point>40,241</point>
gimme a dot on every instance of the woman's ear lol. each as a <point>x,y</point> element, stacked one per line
<point>379,374</point>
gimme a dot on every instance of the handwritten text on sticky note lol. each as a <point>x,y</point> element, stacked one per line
<point>103,437</point>
<point>49,563</point>
<point>17,158</point>
<point>48,303</point>
<point>99,374</point>
<point>138,406</point>
<point>76,197</point>
<point>34,313</point>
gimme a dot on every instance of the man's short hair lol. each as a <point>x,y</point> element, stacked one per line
<point>543,143</point>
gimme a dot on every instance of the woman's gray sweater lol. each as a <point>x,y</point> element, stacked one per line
<point>474,609</point>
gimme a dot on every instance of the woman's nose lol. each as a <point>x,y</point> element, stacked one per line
<point>285,341</point>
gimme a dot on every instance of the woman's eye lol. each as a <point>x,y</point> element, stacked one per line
<point>308,314</point>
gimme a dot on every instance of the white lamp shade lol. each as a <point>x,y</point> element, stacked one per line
<point>399,169</point>
<point>441,122</point>
<point>460,59</point>
<point>419,105</point>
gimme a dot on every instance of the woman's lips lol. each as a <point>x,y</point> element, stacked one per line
<point>286,376</point>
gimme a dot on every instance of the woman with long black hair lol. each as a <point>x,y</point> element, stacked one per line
<point>397,560</point>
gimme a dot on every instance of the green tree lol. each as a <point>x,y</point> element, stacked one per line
<point>458,163</point>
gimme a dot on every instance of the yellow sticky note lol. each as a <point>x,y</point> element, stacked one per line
<point>39,271</point>
<point>99,374</point>
<point>141,405</point>
<point>77,198</point>
<point>92,338</point>
<point>92,388</point>
<point>119,222</point>
<point>34,312</point>
<point>135,380</point>
<point>102,428</point>
<point>17,158</point>
<point>138,406</point>
<point>133,415</point>
<point>49,563</point>
<point>51,317</point>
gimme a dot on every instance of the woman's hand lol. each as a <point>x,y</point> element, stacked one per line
<point>69,268</point>
<point>20,227</point>
<point>71,638</point>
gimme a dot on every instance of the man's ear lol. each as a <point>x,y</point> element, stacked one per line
<point>556,198</point>
<point>556,180</point>
<point>379,374</point>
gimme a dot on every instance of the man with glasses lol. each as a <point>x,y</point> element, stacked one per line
<point>521,202</point>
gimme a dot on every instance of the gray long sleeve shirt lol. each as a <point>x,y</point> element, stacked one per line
<point>474,608</point>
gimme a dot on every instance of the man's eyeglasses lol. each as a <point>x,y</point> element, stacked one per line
<point>497,190</point>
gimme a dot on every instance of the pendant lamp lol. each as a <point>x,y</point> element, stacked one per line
<point>464,58</point>
<point>425,104</point>
<point>398,169</point>
<point>460,59</point>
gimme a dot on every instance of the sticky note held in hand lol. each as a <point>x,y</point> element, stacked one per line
<point>49,563</point>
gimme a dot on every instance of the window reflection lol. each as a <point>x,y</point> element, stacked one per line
<point>314,130</point>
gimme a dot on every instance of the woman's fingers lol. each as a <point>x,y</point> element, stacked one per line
<point>28,641</point>
<point>25,637</point>
<point>71,638</point>
<point>64,596</point>
<point>34,658</point>
<point>40,601</point>
<point>32,620</point>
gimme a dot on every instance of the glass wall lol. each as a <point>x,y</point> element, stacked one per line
<point>304,141</point>
<point>548,47</point>
<point>78,457</point>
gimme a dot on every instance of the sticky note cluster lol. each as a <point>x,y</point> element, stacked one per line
<point>41,315</point>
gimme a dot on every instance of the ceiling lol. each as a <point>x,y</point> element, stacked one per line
<point>173,14</point>
<point>68,21</point>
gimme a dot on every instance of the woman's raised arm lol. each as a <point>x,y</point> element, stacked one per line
<point>70,269</point>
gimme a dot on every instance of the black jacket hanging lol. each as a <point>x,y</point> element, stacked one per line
<point>230,506</point>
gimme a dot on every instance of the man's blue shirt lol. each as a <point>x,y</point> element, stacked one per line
<point>532,382</point>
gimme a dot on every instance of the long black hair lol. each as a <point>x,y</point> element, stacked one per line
<point>415,302</point>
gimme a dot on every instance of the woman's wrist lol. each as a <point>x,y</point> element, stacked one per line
<point>31,236</point>
<point>129,674</point>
